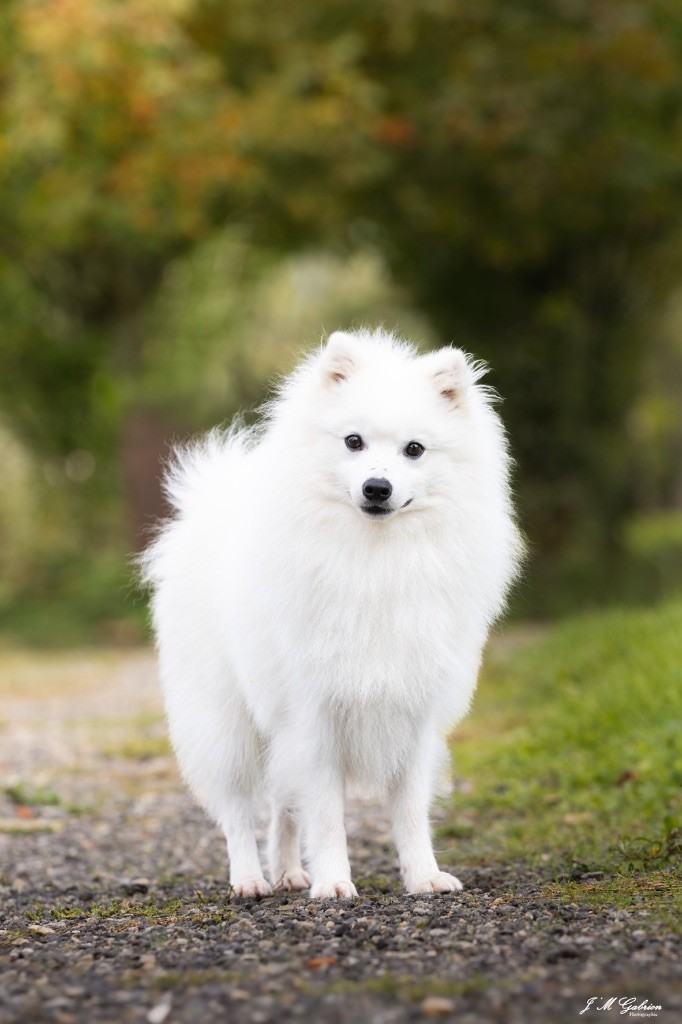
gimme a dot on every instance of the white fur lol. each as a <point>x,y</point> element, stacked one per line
<point>303,643</point>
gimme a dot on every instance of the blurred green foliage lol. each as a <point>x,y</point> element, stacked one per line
<point>226,320</point>
<point>189,191</point>
<point>644,567</point>
<point>221,324</point>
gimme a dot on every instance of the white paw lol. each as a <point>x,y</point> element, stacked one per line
<point>440,882</point>
<point>251,887</point>
<point>293,880</point>
<point>334,891</point>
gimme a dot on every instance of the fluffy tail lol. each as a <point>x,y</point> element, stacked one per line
<point>196,478</point>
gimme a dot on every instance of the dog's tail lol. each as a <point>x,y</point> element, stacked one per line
<point>196,478</point>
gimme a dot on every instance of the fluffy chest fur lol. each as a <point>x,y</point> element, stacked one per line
<point>354,626</point>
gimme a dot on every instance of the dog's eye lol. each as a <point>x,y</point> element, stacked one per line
<point>414,449</point>
<point>354,442</point>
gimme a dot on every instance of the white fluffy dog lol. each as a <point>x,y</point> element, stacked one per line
<point>321,601</point>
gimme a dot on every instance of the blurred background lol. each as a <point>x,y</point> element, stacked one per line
<point>194,191</point>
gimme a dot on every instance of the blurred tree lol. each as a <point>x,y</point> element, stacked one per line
<point>518,164</point>
<point>655,424</point>
<point>109,122</point>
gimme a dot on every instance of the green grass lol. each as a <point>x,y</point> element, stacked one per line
<point>573,755</point>
<point>406,987</point>
<point>148,909</point>
<point>142,738</point>
<point>370,885</point>
<point>655,891</point>
<point>143,747</point>
<point>33,796</point>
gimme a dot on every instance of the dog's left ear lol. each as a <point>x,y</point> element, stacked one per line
<point>451,372</point>
<point>340,357</point>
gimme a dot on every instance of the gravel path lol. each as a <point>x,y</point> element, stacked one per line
<point>114,905</point>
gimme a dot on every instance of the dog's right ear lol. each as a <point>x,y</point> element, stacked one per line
<point>452,373</point>
<point>340,357</point>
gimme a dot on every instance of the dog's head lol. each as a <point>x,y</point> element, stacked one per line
<point>392,429</point>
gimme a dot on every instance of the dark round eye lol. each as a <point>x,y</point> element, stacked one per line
<point>354,442</point>
<point>414,449</point>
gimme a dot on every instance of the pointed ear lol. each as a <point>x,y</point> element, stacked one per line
<point>450,372</point>
<point>340,357</point>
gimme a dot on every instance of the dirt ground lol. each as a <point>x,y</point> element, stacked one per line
<point>114,904</point>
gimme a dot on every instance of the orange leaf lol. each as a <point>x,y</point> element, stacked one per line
<point>22,811</point>
<point>320,961</point>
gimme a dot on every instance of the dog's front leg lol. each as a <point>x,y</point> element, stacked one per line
<point>323,808</point>
<point>306,761</point>
<point>410,798</point>
<point>307,775</point>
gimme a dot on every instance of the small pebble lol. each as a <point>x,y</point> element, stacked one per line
<point>436,1006</point>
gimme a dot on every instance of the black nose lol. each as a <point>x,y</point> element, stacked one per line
<point>376,489</point>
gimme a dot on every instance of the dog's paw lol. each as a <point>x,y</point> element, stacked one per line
<point>251,887</point>
<point>334,891</point>
<point>440,882</point>
<point>293,881</point>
